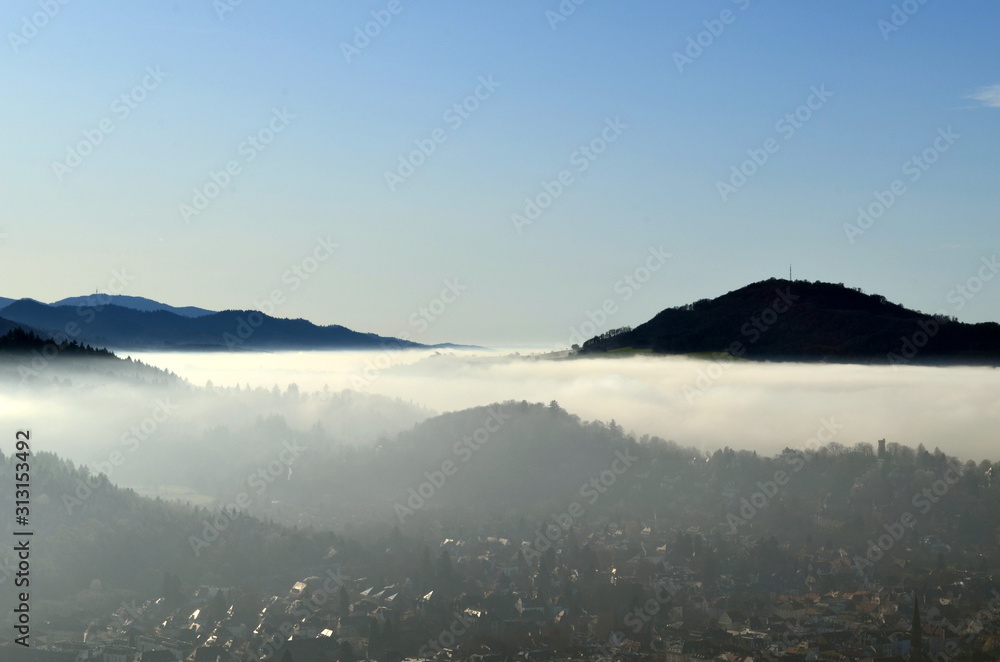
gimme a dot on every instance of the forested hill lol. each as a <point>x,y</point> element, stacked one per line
<point>515,460</point>
<point>87,529</point>
<point>18,341</point>
<point>27,357</point>
<point>808,321</point>
<point>424,483</point>
<point>120,327</point>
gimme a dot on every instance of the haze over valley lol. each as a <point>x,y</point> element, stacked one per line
<point>511,331</point>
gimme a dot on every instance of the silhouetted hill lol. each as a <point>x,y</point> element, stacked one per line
<point>19,341</point>
<point>116,326</point>
<point>135,303</point>
<point>28,356</point>
<point>7,325</point>
<point>95,530</point>
<point>521,468</point>
<point>511,455</point>
<point>804,321</point>
<point>515,460</point>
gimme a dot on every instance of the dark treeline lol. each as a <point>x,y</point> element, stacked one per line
<point>21,341</point>
<point>87,529</point>
<point>810,321</point>
<point>607,335</point>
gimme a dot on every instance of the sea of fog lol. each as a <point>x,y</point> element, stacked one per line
<point>700,403</point>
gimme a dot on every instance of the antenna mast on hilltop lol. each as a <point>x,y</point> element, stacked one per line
<point>789,273</point>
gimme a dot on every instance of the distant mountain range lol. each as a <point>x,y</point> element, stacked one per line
<point>770,320</point>
<point>135,303</point>
<point>807,321</point>
<point>139,323</point>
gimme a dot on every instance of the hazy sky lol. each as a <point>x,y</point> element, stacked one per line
<point>116,112</point>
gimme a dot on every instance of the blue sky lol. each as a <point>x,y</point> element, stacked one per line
<point>216,73</point>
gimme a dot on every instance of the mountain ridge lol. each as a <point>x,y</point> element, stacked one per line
<point>782,320</point>
<point>127,328</point>
<point>135,303</point>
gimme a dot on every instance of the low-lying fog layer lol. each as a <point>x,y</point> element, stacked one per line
<point>181,439</point>
<point>133,431</point>
<point>700,403</point>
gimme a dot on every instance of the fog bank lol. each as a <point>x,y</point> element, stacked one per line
<point>705,404</point>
